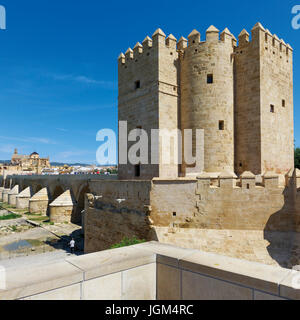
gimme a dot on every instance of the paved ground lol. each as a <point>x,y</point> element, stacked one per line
<point>34,234</point>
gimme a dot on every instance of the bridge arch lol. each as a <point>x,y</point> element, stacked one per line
<point>80,202</point>
<point>38,188</point>
<point>56,192</point>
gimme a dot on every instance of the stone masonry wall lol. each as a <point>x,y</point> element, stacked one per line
<point>190,203</point>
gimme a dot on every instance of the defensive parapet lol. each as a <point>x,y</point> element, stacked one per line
<point>247,180</point>
<point>147,50</point>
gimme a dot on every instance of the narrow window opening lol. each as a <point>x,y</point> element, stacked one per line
<point>137,170</point>
<point>221,125</point>
<point>272,108</point>
<point>137,84</point>
<point>210,78</point>
<point>241,164</point>
<point>248,186</point>
<point>174,214</point>
<point>283,103</point>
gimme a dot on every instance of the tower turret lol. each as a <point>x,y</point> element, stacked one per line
<point>207,99</point>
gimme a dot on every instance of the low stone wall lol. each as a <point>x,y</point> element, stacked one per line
<point>238,204</point>
<point>151,271</point>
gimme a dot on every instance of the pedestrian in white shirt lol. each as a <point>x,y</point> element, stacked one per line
<point>72,246</point>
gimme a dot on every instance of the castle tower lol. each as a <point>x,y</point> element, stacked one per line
<point>207,98</point>
<point>241,96</point>
<point>148,99</point>
<point>264,103</point>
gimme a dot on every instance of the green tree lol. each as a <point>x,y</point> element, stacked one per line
<point>297,158</point>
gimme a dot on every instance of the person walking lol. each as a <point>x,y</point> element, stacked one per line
<point>72,246</point>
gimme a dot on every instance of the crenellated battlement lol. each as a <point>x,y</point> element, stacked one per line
<point>157,41</point>
<point>263,37</point>
<point>159,38</point>
<point>247,180</point>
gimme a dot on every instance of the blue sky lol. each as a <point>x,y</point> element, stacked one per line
<point>58,63</point>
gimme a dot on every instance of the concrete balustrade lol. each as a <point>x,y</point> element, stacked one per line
<point>151,271</point>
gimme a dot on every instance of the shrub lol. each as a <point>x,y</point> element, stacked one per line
<point>127,242</point>
<point>297,158</point>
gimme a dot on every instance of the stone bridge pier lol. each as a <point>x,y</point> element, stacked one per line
<point>60,197</point>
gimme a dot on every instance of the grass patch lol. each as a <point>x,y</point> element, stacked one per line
<point>47,222</point>
<point>19,211</point>
<point>127,242</point>
<point>33,214</point>
<point>6,206</point>
<point>11,216</point>
<point>39,218</point>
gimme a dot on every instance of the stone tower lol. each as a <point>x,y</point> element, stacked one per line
<point>148,99</point>
<point>241,96</point>
<point>264,134</point>
<point>207,97</point>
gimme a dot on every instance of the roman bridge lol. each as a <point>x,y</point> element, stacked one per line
<point>39,192</point>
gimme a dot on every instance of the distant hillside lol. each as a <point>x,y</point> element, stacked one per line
<point>4,161</point>
<point>59,164</point>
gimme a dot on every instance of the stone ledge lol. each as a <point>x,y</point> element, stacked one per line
<point>29,281</point>
<point>165,253</point>
<point>111,261</point>
<point>250,274</point>
<point>271,282</point>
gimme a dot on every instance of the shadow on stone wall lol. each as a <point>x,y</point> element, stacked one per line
<point>108,224</point>
<point>282,229</point>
